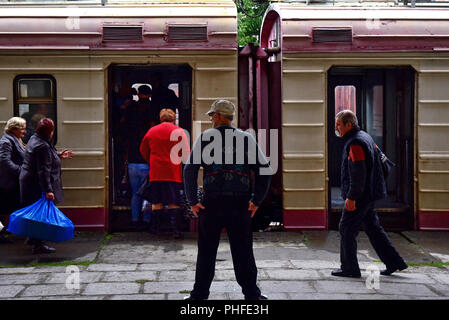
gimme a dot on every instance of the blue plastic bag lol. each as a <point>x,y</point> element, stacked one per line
<point>41,220</point>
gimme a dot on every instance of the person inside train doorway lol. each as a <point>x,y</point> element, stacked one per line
<point>362,183</point>
<point>140,116</point>
<point>161,96</point>
<point>227,200</point>
<point>166,189</point>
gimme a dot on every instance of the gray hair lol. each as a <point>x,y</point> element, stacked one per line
<point>15,123</point>
<point>348,116</point>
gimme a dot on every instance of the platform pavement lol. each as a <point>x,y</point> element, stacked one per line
<point>291,266</point>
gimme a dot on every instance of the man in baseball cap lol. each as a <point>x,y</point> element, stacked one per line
<point>223,107</point>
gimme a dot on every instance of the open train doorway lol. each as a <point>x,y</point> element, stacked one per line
<point>171,87</point>
<point>383,100</point>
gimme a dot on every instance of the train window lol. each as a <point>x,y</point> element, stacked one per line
<point>345,99</point>
<point>34,99</point>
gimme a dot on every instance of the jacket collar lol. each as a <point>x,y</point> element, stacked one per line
<point>351,133</point>
<point>14,139</point>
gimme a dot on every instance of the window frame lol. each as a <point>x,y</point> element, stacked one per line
<point>52,100</point>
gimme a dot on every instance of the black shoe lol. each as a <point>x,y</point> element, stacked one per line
<point>42,248</point>
<point>4,239</point>
<point>389,271</point>
<point>341,273</point>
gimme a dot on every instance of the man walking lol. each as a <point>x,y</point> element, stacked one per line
<point>227,155</point>
<point>361,180</point>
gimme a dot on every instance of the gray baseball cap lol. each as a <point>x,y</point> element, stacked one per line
<point>223,107</point>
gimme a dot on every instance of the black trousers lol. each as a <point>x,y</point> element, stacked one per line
<point>350,225</point>
<point>231,213</point>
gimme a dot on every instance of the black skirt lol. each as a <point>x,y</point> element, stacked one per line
<point>166,192</point>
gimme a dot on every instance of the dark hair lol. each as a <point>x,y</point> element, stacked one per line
<point>144,89</point>
<point>44,127</point>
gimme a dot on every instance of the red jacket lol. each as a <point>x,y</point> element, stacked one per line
<point>156,149</point>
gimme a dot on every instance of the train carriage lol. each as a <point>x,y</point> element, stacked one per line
<point>389,63</point>
<point>71,62</point>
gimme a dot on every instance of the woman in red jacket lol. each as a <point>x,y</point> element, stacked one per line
<point>165,147</point>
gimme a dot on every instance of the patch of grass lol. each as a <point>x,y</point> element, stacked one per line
<point>142,281</point>
<point>305,239</point>
<point>184,291</point>
<point>428,264</point>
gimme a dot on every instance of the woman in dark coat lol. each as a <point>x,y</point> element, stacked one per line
<point>12,150</point>
<point>41,172</point>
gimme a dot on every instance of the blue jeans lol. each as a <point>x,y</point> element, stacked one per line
<point>137,173</point>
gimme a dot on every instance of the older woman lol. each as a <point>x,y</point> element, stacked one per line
<point>165,145</point>
<point>12,151</point>
<point>41,172</point>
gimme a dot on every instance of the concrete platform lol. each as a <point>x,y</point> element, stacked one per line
<point>291,266</point>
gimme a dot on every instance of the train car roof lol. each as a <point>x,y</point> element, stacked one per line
<point>356,29</point>
<point>159,25</point>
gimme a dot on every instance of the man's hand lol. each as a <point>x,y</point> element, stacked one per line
<point>350,205</point>
<point>50,195</point>
<point>196,208</point>
<point>253,208</point>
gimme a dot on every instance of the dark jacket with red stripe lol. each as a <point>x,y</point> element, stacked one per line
<point>361,171</point>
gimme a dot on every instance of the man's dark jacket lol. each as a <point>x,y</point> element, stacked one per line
<point>41,171</point>
<point>361,170</point>
<point>228,177</point>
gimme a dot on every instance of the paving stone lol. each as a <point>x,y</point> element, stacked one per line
<point>441,289</point>
<point>57,269</point>
<point>315,264</point>
<point>407,278</point>
<point>102,288</point>
<point>336,286</point>
<point>15,270</point>
<point>441,278</point>
<point>84,277</point>
<point>21,278</point>
<point>162,266</point>
<point>285,286</point>
<point>138,297</point>
<point>168,287</point>
<point>50,290</point>
<point>10,291</point>
<point>129,276</point>
<point>225,286</point>
<point>318,296</point>
<point>212,296</point>
<point>74,298</point>
<point>112,267</point>
<point>176,275</point>
<point>279,274</point>
<point>271,296</point>
<point>273,264</point>
<point>406,289</point>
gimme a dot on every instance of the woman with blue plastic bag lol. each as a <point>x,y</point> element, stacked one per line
<point>41,173</point>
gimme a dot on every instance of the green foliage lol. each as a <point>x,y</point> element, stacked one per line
<point>249,27</point>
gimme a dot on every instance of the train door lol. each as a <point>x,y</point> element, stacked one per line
<point>124,81</point>
<point>382,99</point>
